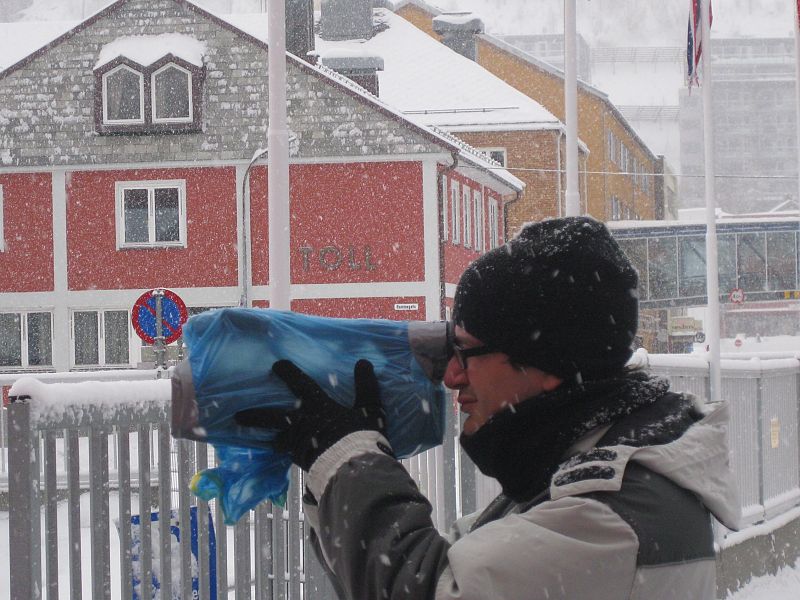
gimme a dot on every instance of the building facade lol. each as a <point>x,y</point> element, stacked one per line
<point>619,168</point>
<point>132,158</point>
<point>755,130</point>
<point>440,87</point>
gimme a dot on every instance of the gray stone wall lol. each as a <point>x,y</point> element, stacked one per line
<point>47,107</point>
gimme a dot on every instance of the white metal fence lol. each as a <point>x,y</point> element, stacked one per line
<point>68,505</point>
<point>764,416</point>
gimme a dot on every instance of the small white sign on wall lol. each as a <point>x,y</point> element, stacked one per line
<point>408,306</point>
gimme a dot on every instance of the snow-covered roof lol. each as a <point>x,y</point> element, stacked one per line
<point>466,21</point>
<point>430,83</point>
<point>474,157</point>
<point>256,27</point>
<point>147,49</point>
<point>19,39</point>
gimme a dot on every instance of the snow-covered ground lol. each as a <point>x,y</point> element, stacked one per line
<point>784,585</point>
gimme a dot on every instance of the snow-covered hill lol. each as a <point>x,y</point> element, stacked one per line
<point>601,22</point>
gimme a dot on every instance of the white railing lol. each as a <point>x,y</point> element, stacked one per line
<point>763,398</point>
<point>57,547</point>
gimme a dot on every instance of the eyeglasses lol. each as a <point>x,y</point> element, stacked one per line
<point>462,354</point>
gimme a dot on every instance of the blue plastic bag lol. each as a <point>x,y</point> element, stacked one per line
<point>231,352</point>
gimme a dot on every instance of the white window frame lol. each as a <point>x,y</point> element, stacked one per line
<point>466,200</point>
<point>616,209</point>
<point>101,346</point>
<point>108,121</point>
<point>455,210</point>
<point>150,186</point>
<point>494,224</point>
<point>445,207</point>
<point>156,119</point>
<point>24,355</point>
<point>477,204</point>
<point>2,227</point>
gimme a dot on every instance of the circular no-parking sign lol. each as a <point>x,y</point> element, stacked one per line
<point>737,295</point>
<point>173,316</point>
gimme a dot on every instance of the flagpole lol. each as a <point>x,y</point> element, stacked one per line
<point>712,266</point>
<point>572,193</point>
<point>797,88</point>
<point>278,161</point>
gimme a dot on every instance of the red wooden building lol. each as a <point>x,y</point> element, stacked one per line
<point>129,153</point>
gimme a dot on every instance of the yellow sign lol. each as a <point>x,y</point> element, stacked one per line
<point>791,295</point>
<point>775,433</point>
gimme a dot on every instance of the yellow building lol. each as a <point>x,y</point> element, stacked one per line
<point>616,178</point>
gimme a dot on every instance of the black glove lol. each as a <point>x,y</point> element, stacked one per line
<point>317,422</point>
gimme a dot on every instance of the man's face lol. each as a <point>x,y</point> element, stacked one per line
<point>490,382</point>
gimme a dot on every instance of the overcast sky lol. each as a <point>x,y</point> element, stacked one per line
<point>631,22</point>
<point>601,22</point>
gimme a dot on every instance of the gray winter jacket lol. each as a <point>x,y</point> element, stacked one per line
<point>618,522</point>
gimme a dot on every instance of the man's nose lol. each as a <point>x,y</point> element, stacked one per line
<point>455,377</point>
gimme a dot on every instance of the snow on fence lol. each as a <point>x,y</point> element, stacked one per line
<point>54,557</point>
<point>266,555</point>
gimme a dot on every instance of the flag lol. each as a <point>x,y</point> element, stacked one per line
<point>694,41</point>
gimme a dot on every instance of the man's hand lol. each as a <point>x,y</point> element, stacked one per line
<point>317,422</point>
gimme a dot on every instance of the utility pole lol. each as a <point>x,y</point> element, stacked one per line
<point>712,266</point>
<point>572,193</point>
<point>278,161</point>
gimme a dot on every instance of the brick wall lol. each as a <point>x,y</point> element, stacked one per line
<point>595,117</point>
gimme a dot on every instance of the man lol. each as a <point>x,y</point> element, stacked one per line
<point>609,481</point>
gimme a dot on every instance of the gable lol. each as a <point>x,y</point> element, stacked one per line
<point>48,101</point>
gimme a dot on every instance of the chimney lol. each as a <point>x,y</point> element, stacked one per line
<point>300,28</point>
<point>346,20</point>
<point>360,67</point>
<point>458,31</point>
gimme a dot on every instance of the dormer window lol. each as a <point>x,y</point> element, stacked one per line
<point>123,96</point>
<point>172,94</point>
<point>140,89</point>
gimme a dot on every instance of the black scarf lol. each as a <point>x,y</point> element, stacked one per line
<point>522,445</point>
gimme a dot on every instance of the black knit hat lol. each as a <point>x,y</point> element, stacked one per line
<point>561,297</point>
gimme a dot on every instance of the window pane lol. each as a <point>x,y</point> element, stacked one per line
<point>10,340</point>
<point>663,268</point>
<point>116,337</point>
<point>84,325</point>
<point>40,340</point>
<point>498,156</point>
<point>781,261</point>
<point>752,262</point>
<point>636,251</point>
<point>167,229</point>
<point>123,96</point>
<point>136,216</point>
<point>726,250</point>
<point>172,94</point>
<point>693,266</point>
